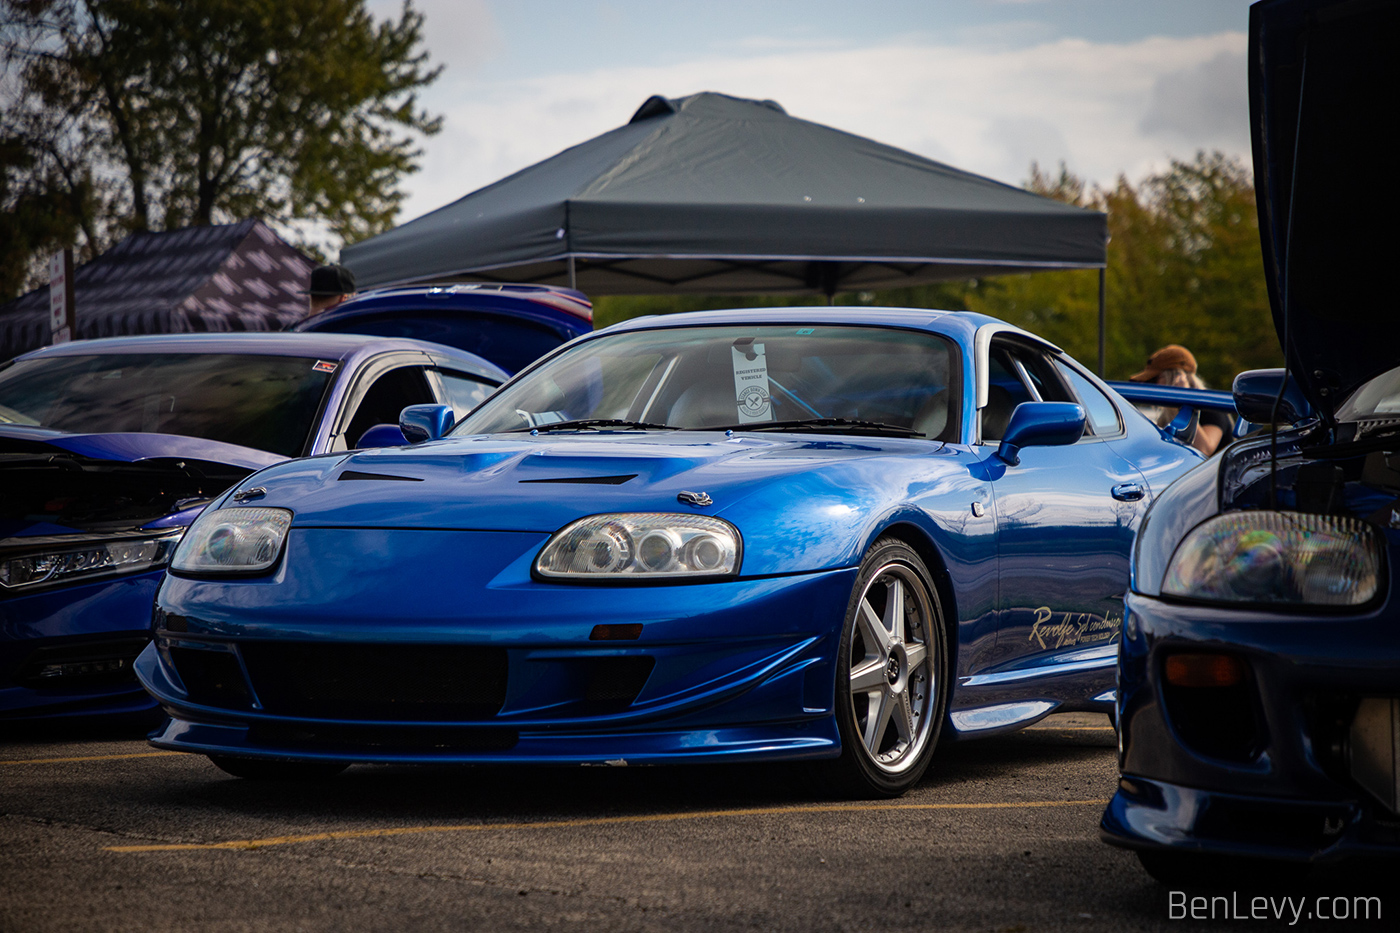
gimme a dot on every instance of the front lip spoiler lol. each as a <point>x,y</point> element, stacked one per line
<point>1158,816</point>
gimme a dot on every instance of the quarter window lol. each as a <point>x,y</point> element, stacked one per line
<point>1101,413</point>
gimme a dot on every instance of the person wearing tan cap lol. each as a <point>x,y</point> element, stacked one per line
<point>1174,365</point>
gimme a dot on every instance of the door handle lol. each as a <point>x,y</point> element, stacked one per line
<point>1128,492</point>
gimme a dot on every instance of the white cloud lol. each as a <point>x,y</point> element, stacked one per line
<point>1102,108</point>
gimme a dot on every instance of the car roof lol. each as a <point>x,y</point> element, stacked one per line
<point>328,346</point>
<point>957,324</point>
<point>564,306</point>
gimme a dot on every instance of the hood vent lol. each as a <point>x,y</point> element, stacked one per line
<point>356,474</point>
<point>589,480</point>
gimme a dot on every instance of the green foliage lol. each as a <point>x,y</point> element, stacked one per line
<point>1184,266</point>
<point>205,111</point>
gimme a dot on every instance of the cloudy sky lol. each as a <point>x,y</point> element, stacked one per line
<point>1106,86</point>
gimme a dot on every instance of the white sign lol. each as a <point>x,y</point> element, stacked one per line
<point>751,384</point>
<point>59,295</point>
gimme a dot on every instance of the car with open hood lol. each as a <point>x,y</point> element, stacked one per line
<point>110,448</point>
<point>1259,678</point>
<point>820,534</point>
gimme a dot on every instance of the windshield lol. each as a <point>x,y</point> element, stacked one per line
<point>737,377</point>
<point>263,402</point>
<point>1376,400</point>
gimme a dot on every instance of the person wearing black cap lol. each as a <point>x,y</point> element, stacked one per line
<point>330,285</point>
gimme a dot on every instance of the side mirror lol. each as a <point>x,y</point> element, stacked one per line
<point>381,435</point>
<point>1183,426</point>
<point>1256,390</point>
<point>421,423</point>
<point>1041,424</point>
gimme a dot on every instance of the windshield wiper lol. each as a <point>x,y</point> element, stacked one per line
<point>842,424</point>
<point>595,423</point>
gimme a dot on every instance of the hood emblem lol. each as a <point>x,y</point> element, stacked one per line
<point>694,498</point>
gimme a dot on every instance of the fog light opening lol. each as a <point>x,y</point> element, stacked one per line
<point>1204,670</point>
<point>627,632</point>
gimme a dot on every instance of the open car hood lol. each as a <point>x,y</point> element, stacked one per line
<point>58,484</point>
<point>1322,85</point>
<point>132,447</point>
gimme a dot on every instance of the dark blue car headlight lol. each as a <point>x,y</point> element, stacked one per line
<point>239,540</point>
<point>641,546</point>
<point>1278,558</point>
<point>56,564</point>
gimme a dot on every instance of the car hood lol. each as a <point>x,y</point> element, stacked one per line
<point>541,483</point>
<point>133,447</point>
<point>64,484</point>
<point>1323,79</point>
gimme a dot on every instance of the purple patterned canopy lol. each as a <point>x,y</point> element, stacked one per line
<point>231,277</point>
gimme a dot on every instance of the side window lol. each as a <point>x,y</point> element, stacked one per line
<point>390,394</point>
<point>463,392</point>
<point>1017,374</point>
<point>1098,408</point>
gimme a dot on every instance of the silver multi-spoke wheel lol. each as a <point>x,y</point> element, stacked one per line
<point>891,665</point>
<point>892,673</point>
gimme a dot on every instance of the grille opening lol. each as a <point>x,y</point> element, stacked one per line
<point>1263,824</point>
<point>1216,721</point>
<point>377,682</point>
<point>92,664</point>
<point>351,738</point>
<point>613,683</point>
<point>213,678</point>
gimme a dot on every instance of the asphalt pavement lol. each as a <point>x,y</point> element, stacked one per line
<point>104,833</point>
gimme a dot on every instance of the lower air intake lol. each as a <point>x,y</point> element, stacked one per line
<point>407,683</point>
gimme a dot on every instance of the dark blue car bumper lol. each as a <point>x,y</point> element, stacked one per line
<point>1264,768</point>
<point>737,670</point>
<point>68,651</point>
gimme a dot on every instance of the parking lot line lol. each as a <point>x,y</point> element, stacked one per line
<point>246,844</point>
<point>52,761</point>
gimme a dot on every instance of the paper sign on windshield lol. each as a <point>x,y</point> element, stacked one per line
<point>751,384</point>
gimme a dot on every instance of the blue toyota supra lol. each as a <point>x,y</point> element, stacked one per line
<point>782,534</point>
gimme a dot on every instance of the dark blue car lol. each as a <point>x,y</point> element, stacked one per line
<point>818,534</point>
<point>110,448</point>
<point>510,325</point>
<point>1259,681</point>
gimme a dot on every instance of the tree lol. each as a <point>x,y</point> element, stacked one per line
<point>202,111</point>
<point>1184,266</point>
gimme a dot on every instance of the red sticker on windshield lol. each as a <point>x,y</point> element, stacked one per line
<point>324,366</point>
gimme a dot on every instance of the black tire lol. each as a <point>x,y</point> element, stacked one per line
<point>1204,871</point>
<point>272,769</point>
<point>912,660</point>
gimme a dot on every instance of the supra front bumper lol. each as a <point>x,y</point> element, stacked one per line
<point>1297,759</point>
<point>717,671</point>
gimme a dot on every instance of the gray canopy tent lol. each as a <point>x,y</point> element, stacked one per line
<point>722,195</point>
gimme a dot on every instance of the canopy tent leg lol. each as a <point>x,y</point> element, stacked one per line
<point>573,283</point>
<point>1101,320</point>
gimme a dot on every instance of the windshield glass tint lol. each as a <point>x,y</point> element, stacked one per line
<point>265,402</point>
<point>730,376</point>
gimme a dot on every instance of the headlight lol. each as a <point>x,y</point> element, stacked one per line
<point>56,564</point>
<point>1277,557</point>
<point>641,545</point>
<point>233,541</point>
